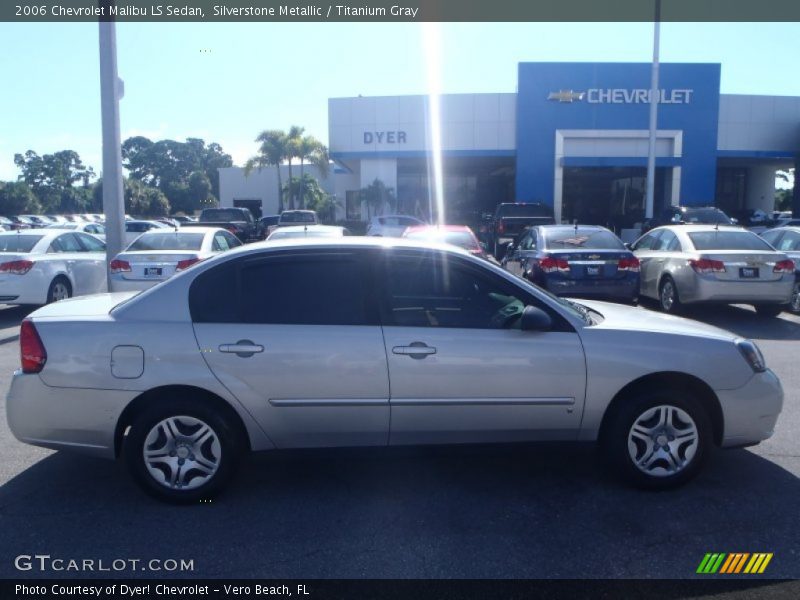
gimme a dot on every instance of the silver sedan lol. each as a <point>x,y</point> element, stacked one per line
<point>787,239</point>
<point>294,345</point>
<point>683,264</point>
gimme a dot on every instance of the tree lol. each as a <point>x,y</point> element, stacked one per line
<point>312,150</point>
<point>140,199</point>
<point>376,195</point>
<point>16,197</point>
<point>53,178</point>
<point>271,153</point>
<point>307,187</point>
<point>293,142</point>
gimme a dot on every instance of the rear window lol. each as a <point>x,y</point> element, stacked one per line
<point>523,210</point>
<point>169,241</point>
<point>282,235</point>
<point>297,217</point>
<point>222,214</point>
<point>570,239</point>
<point>462,239</point>
<point>728,240</point>
<point>18,242</point>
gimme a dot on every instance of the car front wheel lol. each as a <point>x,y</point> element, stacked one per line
<point>657,440</point>
<point>181,452</point>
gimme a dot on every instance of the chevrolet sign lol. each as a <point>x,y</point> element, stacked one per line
<point>623,96</point>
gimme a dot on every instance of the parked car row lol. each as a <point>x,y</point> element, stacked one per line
<point>673,264</point>
<point>244,352</point>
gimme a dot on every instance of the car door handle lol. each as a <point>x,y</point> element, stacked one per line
<point>242,348</point>
<point>417,350</point>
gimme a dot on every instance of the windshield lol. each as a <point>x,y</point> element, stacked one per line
<point>582,239</point>
<point>168,241</point>
<point>463,239</point>
<point>729,240</point>
<point>18,242</point>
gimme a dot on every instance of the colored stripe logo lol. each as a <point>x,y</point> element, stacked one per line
<point>734,563</point>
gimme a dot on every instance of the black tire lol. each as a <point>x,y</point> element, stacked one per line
<point>225,451</point>
<point>675,306</point>
<point>617,435</point>
<point>770,310</point>
<point>58,287</point>
<point>794,304</point>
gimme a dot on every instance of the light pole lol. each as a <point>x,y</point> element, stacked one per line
<point>651,147</point>
<point>111,90</point>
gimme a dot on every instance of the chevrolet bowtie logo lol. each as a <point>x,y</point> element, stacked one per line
<point>566,96</point>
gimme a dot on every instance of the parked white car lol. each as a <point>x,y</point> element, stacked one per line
<point>158,254</point>
<point>39,266</point>
<point>391,225</point>
<point>133,228</point>
<point>96,229</point>
<point>295,344</point>
<point>308,231</point>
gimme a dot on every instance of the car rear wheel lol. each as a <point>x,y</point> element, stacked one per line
<point>668,296</point>
<point>60,289</point>
<point>769,310</point>
<point>181,452</point>
<point>794,304</point>
<point>657,440</point>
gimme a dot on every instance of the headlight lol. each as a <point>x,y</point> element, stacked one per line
<point>752,355</point>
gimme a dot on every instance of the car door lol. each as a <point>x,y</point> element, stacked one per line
<point>70,256</point>
<point>295,336</point>
<point>460,368</point>
<point>649,262</point>
<point>91,264</point>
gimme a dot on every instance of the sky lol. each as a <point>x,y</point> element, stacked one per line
<point>227,82</point>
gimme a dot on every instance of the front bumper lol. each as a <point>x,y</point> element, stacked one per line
<point>751,411</point>
<point>83,420</point>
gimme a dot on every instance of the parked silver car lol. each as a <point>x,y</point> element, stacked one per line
<point>787,240</point>
<point>683,264</point>
<point>293,345</point>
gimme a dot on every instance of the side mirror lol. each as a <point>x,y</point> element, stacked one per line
<point>535,319</point>
<point>734,221</point>
<point>628,245</point>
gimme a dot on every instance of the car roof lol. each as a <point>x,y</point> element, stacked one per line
<point>347,242</point>
<point>416,228</point>
<point>690,227</point>
<point>185,229</point>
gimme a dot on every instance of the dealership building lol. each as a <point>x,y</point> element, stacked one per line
<point>574,136</point>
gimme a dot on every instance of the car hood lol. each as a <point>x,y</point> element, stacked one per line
<point>629,318</point>
<point>96,305</point>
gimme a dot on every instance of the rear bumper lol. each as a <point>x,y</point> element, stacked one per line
<point>132,285</point>
<point>701,289</point>
<point>82,420</point>
<point>30,288</point>
<point>751,411</point>
<point>625,289</point>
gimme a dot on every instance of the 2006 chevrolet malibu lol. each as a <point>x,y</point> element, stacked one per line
<point>366,342</point>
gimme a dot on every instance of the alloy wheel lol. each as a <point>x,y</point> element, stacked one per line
<point>795,301</point>
<point>668,295</point>
<point>663,441</point>
<point>60,291</point>
<point>182,452</point>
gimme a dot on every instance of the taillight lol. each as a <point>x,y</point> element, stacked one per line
<point>31,349</point>
<point>16,267</point>
<point>706,265</point>
<point>501,227</point>
<point>548,264</point>
<point>119,266</point>
<point>629,263</point>
<point>784,266</point>
<point>186,263</point>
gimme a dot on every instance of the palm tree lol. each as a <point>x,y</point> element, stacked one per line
<point>271,153</point>
<point>376,195</point>
<point>293,141</point>
<point>312,150</point>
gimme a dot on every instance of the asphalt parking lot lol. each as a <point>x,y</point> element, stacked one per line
<point>472,512</point>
